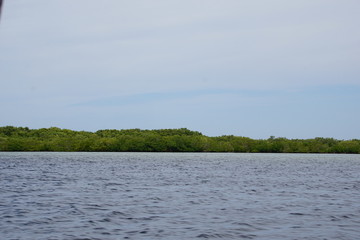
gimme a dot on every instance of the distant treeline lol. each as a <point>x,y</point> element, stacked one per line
<point>163,140</point>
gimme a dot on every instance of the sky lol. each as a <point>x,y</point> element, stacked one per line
<point>231,67</point>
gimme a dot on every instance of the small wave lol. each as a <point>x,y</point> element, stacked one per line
<point>225,235</point>
<point>297,214</point>
<point>116,213</point>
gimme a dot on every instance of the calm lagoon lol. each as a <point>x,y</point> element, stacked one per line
<point>179,196</point>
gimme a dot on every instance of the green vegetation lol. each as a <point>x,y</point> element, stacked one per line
<point>164,140</point>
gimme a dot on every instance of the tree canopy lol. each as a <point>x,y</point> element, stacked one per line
<point>161,140</point>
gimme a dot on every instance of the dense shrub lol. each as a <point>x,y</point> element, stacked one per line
<point>163,140</point>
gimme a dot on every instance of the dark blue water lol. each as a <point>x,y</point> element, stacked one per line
<point>179,196</point>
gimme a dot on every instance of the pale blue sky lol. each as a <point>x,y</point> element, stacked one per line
<point>248,68</point>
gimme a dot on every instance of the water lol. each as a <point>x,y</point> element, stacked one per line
<point>179,196</point>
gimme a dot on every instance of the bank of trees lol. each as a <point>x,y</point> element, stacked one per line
<point>163,140</point>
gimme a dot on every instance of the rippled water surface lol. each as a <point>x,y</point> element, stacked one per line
<point>179,196</point>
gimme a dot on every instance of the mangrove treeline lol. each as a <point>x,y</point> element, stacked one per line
<point>163,140</point>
